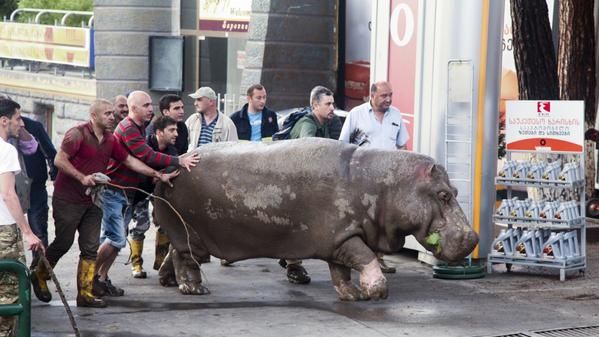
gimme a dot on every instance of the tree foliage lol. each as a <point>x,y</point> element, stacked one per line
<point>6,7</point>
<point>50,19</point>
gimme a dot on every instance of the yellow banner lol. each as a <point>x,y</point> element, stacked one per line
<point>45,53</point>
<point>54,35</point>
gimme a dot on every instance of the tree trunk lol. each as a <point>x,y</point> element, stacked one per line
<point>576,67</point>
<point>533,50</point>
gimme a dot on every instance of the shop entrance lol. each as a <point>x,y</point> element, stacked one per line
<point>221,63</point>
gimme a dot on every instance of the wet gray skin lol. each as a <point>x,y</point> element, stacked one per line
<point>313,198</point>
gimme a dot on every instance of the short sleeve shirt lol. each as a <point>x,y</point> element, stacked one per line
<point>388,134</point>
<point>88,156</point>
<point>9,163</point>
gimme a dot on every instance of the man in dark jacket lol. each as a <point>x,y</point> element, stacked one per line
<point>37,165</point>
<point>255,121</point>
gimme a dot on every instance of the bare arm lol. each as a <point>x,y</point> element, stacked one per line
<point>62,162</point>
<point>9,196</point>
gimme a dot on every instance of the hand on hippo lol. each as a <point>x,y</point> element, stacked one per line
<point>166,177</point>
<point>189,160</point>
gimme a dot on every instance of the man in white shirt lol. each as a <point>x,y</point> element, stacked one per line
<point>376,124</point>
<point>12,219</point>
<point>380,123</point>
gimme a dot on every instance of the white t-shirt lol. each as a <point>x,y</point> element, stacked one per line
<point>388,134</point>
<point>9,162</point>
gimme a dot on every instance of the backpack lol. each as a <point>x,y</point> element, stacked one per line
<point>289,123</point>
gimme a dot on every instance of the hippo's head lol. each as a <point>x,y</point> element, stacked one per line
<point>435,217</point>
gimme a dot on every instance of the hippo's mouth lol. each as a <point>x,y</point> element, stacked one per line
<point>434,240</point>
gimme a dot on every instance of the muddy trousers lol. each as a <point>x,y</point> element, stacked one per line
<point>82,218</point>
<point>11,247</point>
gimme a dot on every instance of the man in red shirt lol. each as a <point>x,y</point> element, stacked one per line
<point>85,150</point>
<point>116,211</point>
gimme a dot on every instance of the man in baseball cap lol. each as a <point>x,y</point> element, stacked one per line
<point>204,92</point>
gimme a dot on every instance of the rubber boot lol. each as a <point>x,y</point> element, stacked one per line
<point>39,276</point>
<point>85,281</point>
<point>162,243</point>
<point>137,269</point>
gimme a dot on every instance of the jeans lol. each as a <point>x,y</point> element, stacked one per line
<point>117,213</point>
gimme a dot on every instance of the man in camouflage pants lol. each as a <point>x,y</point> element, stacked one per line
<point>12,219</point>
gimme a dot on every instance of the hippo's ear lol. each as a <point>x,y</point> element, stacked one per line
<point>425,171</point>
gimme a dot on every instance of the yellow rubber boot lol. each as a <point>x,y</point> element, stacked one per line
<point>137,269</point>
<point>85,282</point>
<point>162,243</point>
<point>39,275</point>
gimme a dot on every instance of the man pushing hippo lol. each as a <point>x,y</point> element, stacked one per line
<point>314,198</point>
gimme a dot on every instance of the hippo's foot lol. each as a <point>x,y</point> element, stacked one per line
<point>168,281</point>
<point>347,291</point>
<point>373,283</point>
<point>193,288</point>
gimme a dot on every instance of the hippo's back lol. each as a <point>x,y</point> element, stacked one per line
<point>314,157</point>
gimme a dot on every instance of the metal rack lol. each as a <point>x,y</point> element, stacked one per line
<point>546,231</point>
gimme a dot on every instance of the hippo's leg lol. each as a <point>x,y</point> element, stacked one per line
<point>166,273</point>
<point>355,253</point>
<point>341,277</point>
<point>188,274</point>
<point>186,246</point>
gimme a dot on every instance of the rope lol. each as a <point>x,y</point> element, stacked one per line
<point>61,294</point>
<point>123,188</point>
<point>151,195</point>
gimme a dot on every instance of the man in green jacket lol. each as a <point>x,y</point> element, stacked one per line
<point>314,124</point>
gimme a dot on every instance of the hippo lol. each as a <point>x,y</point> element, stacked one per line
<point>312,198</point>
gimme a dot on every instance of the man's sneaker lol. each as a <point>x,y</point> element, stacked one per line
<point>112,290</point>
<point>105,288</point>
<point>297,274</point>
<point>98,288</point>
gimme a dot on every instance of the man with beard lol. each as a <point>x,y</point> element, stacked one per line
<point>121,110</point>
<point>85,150</point>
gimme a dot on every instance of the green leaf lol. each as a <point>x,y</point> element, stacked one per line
<point>433,239</point>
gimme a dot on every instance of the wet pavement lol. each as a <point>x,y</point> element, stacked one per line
<point>253,298</point>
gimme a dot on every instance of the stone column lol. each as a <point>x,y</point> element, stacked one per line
<point>122,31</point>
<point>292,47</point>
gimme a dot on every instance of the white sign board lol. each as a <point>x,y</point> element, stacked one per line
<point>545,126</point>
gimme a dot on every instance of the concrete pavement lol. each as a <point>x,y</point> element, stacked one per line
<point>253,298</point>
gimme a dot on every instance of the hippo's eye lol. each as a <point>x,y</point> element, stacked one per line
<point>444,195</point>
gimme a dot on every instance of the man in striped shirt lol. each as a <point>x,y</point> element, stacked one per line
<point>116,214</point>
<point>207,124</point>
